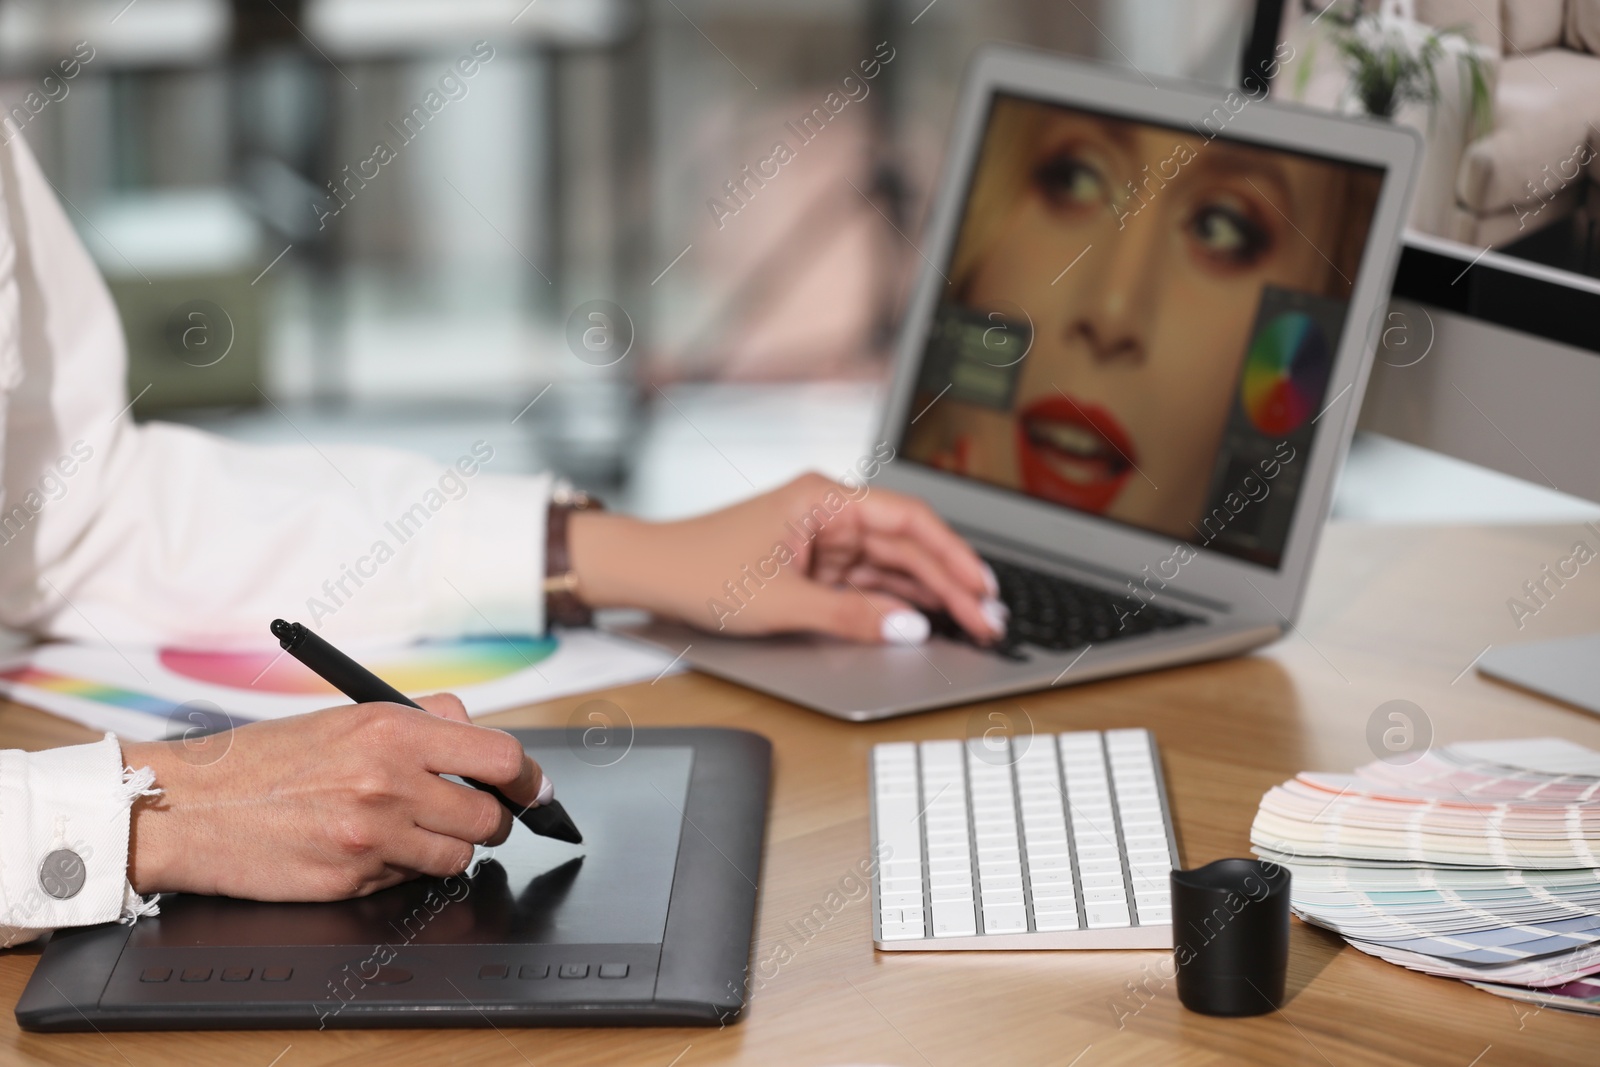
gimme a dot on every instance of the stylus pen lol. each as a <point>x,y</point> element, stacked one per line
<point>545,817</point>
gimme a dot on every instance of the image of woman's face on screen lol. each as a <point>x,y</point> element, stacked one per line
<point>1121,401</point>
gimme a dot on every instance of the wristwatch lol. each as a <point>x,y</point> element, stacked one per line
<point>562,605</point>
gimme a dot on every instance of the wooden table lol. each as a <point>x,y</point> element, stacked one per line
<point>1393,613</point>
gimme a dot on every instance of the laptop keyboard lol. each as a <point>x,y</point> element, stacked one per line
<point>1060,614</point>
<point>1044,841</point>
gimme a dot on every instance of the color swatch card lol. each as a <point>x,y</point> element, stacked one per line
<point>144,694</point>
<point>1582,995</point>
<point>1478,861</point>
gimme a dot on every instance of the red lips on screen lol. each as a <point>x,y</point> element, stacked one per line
<point>1073,454</point>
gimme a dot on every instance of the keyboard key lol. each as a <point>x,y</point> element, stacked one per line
<point>898,831</point>
<point>1041,849</point>
<point>1098,843</point>
<point>1005,919</point>
<point>902,900</point>
<point>1150,858</point>
<point>1104,896</point>
<point>1103,916</point>
<point>1103,880</point>
<point>953,895</point>
<point>1046,921</point>
<point>902,931</point>
<point>1155,916</point>
<point>992,897</point>
<point>952,920</point>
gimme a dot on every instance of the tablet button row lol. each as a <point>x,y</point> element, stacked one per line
<point>229,974</point>
<point>490,971</point>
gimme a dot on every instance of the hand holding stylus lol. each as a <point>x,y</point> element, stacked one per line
<point>545,816</point>
<point>335,804</point>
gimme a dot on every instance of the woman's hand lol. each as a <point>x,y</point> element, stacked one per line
<point>815,555</point>
<point>334,804</point>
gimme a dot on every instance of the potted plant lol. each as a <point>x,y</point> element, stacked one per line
<point>1392,60</point>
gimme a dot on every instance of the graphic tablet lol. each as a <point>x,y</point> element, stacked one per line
<point>646,923</point>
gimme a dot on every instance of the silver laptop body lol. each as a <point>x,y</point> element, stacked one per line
<point>1239,593</point>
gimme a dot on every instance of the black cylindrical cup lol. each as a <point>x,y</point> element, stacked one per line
<point>1230,936</point>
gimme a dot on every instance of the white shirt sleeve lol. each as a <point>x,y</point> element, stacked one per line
<point>115,532</point>
<point>64,839</point>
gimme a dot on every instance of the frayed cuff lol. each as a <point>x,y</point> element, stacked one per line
<point>136,784</point>
<point>135,907</point>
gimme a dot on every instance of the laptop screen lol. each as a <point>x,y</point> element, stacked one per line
<point>1140,322</point>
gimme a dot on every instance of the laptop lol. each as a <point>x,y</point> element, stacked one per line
<point>1128,374</point>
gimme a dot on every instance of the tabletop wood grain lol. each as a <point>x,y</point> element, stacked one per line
<point>1392,613</point>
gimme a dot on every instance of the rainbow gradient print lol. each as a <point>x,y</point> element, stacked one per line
<point>84,689</point>
<point>423,668</point>
<point>1285,373</point>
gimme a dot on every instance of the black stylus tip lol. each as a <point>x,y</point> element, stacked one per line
<point>552,820</point>
<point>282,630</point>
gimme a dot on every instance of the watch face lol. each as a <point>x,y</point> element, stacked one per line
<point>575,500</point>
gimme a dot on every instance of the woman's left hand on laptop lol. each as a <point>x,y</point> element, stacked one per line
<point>814,555</point>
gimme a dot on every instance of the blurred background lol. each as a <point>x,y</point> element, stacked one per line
<point>419,223</point>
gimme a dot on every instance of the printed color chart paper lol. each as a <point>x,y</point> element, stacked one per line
<point>143,694</point>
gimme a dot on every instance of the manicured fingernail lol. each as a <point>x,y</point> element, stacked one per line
<point>547,791</point>
<point>990,580</point>
<point>995,613</point>
<point>905,628</point>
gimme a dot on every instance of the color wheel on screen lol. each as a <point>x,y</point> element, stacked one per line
<point>421,668</point>
<point>1285,373</point>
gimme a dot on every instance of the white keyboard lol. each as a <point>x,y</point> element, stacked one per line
<point>1048,841</point>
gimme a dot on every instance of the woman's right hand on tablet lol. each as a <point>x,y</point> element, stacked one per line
<point>338,803</point>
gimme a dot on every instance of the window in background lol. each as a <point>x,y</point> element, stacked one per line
<point>221,160</point>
